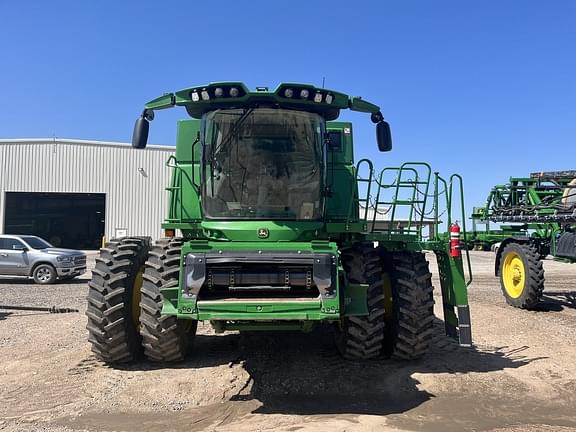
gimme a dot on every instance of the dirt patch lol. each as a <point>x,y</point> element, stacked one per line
<point>519,376</point>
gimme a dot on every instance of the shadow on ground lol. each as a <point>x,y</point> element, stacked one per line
<point>555,301</point>
<point>295,373</point>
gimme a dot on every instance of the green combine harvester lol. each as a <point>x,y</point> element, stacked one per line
<point>542,210</point>
<point>279,229</point>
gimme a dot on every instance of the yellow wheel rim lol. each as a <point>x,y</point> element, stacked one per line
<point>136,295</point>
<point>513,274</point>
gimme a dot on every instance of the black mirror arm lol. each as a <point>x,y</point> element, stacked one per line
<point>376,117</point>
<point>148,114</point>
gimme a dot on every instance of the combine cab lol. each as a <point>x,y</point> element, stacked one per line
<point>280,229</point>
<point>542,210</point>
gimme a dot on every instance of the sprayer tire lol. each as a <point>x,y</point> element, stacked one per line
<point>525,260</point>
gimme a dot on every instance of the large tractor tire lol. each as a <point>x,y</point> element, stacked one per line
<point>521,275</point>
<point>113,299</point>
<point>361,337</point>
<point>164,337</point>
<point>409,324</point>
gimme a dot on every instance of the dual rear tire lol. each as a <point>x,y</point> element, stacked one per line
<point>400,305</point>
<point>164,337</point>
<point>125,301</point>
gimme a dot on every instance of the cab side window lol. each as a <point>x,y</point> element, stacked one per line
<point>11,244</point>
<point>335,141</point>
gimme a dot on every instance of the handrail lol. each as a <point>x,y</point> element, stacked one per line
<point>381,186</point>
<point>414,194</point>
<point>179,172</point>
<point>436,204</point>
<point>356,191</point>
<point>409,187</point>
<point>463,214</point>
<point>400,182</point>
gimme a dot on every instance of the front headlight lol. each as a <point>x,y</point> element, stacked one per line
<point>65,259</point>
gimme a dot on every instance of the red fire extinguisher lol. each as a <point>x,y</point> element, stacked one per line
<point>454,240</point>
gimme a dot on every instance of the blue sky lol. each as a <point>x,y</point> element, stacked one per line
<point>483,88</point>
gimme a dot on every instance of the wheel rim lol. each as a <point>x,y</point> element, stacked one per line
<point>136,296</point>
<point>43,274</point>
<point>513,275</point>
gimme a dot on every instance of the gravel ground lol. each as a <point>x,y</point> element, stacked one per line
<point>519,377</point>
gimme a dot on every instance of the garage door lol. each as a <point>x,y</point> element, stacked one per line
<point>70,220</point>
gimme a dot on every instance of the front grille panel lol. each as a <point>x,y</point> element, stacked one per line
<point>251,280</point>
<point>262,274</point>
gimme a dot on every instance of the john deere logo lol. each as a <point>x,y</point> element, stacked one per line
<point>263,232</point>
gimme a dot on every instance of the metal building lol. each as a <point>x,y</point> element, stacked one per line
<point>74,192</point>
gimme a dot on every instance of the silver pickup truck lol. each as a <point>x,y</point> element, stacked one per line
<point>31,256</point>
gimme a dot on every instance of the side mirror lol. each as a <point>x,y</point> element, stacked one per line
<point>21,248</point>
<point>383,136</point>
<point>140,135</point>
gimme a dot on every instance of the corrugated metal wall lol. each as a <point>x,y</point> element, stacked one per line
<point>134,181</point>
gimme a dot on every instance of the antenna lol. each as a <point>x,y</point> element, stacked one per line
<point>323,79</point>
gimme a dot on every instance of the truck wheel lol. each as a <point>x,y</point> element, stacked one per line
<point>521,275</point>
<point>361,337</point>
<point>164,337</point>
<point>409,327</point>
<point>113,298</point>
<point>44,274</point>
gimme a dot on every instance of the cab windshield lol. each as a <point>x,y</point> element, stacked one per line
<point>262,163</point>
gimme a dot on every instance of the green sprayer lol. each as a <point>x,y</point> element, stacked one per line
<point>273,226</point>
<point>540,213</point>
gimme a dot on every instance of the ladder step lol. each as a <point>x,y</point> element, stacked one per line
<point>401,202</point>
<point>411,183</point>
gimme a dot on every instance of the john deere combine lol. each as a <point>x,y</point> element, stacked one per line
<point>542,211</point>
<point>279,229</point>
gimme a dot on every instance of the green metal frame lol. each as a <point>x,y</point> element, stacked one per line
<point>534,206</point>
<point>483,237</point>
